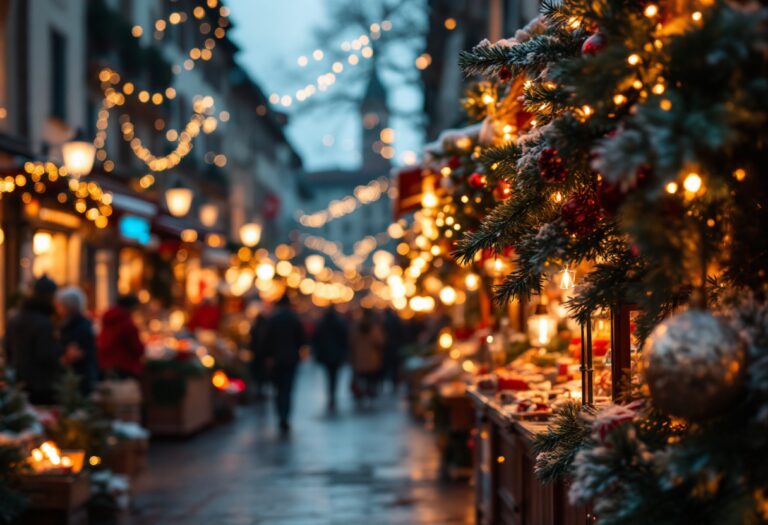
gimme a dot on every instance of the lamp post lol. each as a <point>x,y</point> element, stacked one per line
<point>179,200</point>
<point>79,155</point>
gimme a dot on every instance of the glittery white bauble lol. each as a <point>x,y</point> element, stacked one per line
<point>693,365</point>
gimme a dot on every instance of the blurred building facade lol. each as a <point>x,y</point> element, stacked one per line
<point>241,169</point>
<point>455,26</point>
<point>328,186</point>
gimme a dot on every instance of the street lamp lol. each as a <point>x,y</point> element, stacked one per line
<point>78,155</point>
<point>250,234</point>
<point>179,200</point>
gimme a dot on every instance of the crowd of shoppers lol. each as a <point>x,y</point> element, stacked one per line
<point>51,332</point>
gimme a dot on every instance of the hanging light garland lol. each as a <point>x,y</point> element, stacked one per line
<point>89,199</point>
<point>200,13</point>
<point>201,121</point>
<point>361,196</point>
<point>357,49</point>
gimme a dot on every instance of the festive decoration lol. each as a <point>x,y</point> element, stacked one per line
<point>477,180</point>
<point>581,213</point>
<point>594,44</point>
<point>362,195</point>
<point>551,166</point>
<point>693,365</point>
<point>502,191</point>
<point>652,211</point>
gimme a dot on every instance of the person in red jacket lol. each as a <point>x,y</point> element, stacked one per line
<point>207,316</point>
<point>120,348</point>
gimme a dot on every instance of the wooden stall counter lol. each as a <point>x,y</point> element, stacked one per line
<point>508,491</point>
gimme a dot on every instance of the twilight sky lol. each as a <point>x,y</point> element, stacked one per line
<point>272,36</point>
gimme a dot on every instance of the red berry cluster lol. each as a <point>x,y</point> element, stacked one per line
<point>581,213</point>
<point>551,167</point>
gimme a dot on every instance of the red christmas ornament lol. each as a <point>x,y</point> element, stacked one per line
<point>476,180</point>
<point>502,191</point>
<point>505,75</point>
<point>610,196</point>
<point>551,166</point>
<point>454,162</point>
<point>581,213</point>
<point>594,44</point>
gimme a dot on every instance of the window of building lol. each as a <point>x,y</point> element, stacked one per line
<point>59,75</point>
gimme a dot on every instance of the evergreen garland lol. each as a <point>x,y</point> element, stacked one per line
<point>658,112</point>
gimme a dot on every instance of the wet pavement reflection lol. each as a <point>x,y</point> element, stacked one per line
<point>371,466</point>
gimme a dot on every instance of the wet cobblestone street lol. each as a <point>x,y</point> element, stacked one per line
<point>372,467</point>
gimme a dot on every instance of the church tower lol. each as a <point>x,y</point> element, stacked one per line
<point>375,119</point>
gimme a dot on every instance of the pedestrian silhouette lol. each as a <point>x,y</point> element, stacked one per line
<point>283,339</point>
<point>366,348</point>
<point>330,346</point>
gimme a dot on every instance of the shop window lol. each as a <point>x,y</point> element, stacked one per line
<point>130,271</point>
<point>55,254</point>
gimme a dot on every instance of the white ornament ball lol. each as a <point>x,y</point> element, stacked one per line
<point>694,365</point>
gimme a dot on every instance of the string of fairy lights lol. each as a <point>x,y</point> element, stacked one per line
<point>361,196</point>
<point>357,49</point>
<point>200,13</point>
<point>117,92</point>
<point>202,120</point>
<point>87,198</point>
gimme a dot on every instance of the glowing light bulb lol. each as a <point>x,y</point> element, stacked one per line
<point>567,279</point>
<point>692,182</point>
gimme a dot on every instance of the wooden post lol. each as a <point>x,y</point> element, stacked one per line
<point>621,344</point>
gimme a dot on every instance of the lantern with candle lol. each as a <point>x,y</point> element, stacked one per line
<point>179,200</point>
<point>78,155</point>
<point>48,458</point>
<point>542,326</point>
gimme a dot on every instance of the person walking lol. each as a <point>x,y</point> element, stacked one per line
<point>120,349</point>
<point>76,337</point>
<point>31,346</point>
<point>394,335</point>
<point>366,348</point>
<point>283,338</point>
<point>330,346</point>
<point>258,366</point>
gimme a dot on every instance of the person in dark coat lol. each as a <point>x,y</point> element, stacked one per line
<point>283,339</point>
<point>331,345</point>
<point>120,348</point>
<point>76,337</point>
<point>394,340</point>
<point>259,372</point>
<point>31,345</point>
